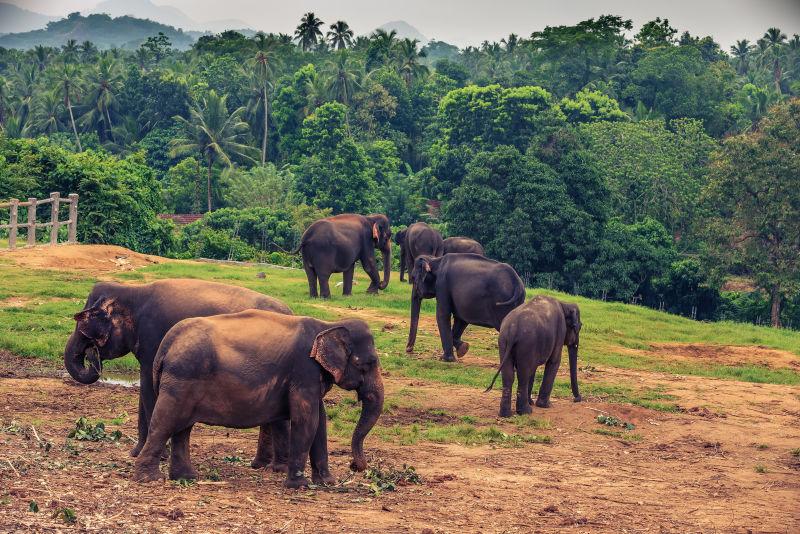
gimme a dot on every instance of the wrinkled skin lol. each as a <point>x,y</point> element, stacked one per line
<point>463,245</point>
<point>118,319</point>
<point>469,288</point>
<point>255,368</point>
<point>417,240</point>
<point>533,335</point>
<point>335,244</point>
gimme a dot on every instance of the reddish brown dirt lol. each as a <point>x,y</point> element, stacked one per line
<point>691,472</point>
<point>96,259</point>
<point>720,354</point>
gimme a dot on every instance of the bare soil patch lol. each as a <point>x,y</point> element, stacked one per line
<point>95,259</point>
<point>727,354</point>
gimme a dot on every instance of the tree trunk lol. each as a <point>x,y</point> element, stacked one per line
<point>266,126</point>
<point>208,184</point>
<point>74,129</point>
<point>110,127</point>
<point>775,312</point>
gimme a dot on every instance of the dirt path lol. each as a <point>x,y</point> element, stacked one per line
<point>694,471</point>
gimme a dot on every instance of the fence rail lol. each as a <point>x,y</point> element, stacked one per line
<point>31,225</point>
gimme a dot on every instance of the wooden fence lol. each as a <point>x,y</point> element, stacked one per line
<point>55,202</point>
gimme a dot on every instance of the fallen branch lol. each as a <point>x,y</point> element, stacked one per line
<point>13,468</point>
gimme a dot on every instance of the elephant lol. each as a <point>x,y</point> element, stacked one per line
<point>417,240</point>
<point>531,335</point>
<point>470,288</point>
<point>253,368</point>
<point>334,244</point>
<point>463,245</point>
<point>119,318</point>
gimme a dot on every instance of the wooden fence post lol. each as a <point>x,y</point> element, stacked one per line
<point>55,198</point>
<point>12,232</point>
<point>31,222</point>
<point>73,218</point>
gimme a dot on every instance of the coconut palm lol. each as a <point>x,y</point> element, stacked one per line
<point>69,80</point>
<point>264,64</point>
<point>308,33</point>
<point>741,53</point>
<point>6,89</point>
<point>773,53</point>
<point>340,36</point>
<point>381,48</point>
<point>104,82</point>
<point>213,133</point>
<point>25,87</point>
<point>342,74</point>
<point>47,111</point>
<point>70,51</point>
<point>88,51</point>
<point>408,65</point>
<point>511,42</point>
<point>41,55</point>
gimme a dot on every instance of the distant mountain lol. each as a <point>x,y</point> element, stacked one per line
<point>404,30</point>
<point>16,19</point>
<point>145,9</point>
<point>102,30</point>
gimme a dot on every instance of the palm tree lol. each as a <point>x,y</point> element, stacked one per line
<point>26,85</point>
<point>214,133</point>
<point>342,76</point>
<point>511,43</point>
<point>6,89</point>
<point>88,51</point>
<point>741,52</point>
<point>47,111</point>
<point>68,86</point>
<point>308,32</point>
<point>104,82</point>
<point>381,48</point>
<point>142,57</point>
<point>408,57</point>
<point>264,64</point>
<point>774,40</point>
<point>340,35</point>
<point>41,54</point>
<point>70,51</point>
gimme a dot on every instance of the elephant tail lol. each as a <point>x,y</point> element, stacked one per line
<point>505,354</point>
<point>298,249</point>
<point>519,292</point>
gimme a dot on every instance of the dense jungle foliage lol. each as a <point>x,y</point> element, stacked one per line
<point>652,169</point>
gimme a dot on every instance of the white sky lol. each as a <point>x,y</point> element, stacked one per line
<point>464,22</point>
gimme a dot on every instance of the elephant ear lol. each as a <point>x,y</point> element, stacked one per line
<point>331,350</point>
<point>95,322</point>
<point>375,231</point>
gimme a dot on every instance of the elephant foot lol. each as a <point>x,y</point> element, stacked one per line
<point>409,349</point>
<point>297,481</point>
<point>134,452</point>
<point>183,472</point>
<point>577,398</point>
<point>505,411</point>
<point>259,463</point>
<point>448,358</point>
<point>523,408</point>
<point>147,474</point>
<point>323,478</point>
<point>462,349</point>
<point>358,464</point>
<point>372,290</point>
<point>279,467</point>
<point>543,403</point>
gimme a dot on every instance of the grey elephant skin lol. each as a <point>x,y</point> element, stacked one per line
<point>533,335</point>
<point>463,245</point>
<point>469,289</point>
<point>119,318</point>
<point>417,240</point>
<point>254,368</point>
<point>335,244</point>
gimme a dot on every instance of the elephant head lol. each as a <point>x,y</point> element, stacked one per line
<point>381,231</point>
<point>400,237</point>
<point>103,331</point>
<point>572,316</point>
<point>423,277</point>
<point>347,352</point>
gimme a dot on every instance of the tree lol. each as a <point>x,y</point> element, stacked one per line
<point>753,187</point>
<point>774,52</point>
<point>157,46</point>
<point>104,82</point>
<point>408,64</point>
<point>340,36</point>
<point>264,63</point>
<point>741,52</point>
<point>591,106</point>
<point>656,33</point>
<point>308,32</point>
<point>69,51</point>
<point>214,134</point>
<point>380,49</point>
<point>68,82</point>
<point>342,77</point>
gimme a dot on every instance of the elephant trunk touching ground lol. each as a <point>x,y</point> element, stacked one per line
<point>416,304</point>
<point>387,265</point>
<point>75,359</point>
<point>573,371</point>
<point>371,396</point>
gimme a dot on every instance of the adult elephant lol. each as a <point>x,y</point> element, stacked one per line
<point>335,244</point>
<point>417,240</point>
<point>119,318</point>
<point>254,368</point>
<point>463,245</point>
<point>533,335</point>
<point>469,288</point>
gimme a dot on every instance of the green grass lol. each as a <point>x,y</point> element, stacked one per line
<point>612,336</point>
<point>625,436</point>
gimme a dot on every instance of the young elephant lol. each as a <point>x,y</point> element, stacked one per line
<point>254,368</point>
<point>532,335</point>
<point>417,240</point>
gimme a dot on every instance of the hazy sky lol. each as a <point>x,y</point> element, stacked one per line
<point>465,22</point>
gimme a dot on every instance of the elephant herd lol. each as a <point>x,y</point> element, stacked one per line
<point>224,355</point>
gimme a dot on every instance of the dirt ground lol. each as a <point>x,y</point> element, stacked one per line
<point>96,259</point>
<point>721,465</point>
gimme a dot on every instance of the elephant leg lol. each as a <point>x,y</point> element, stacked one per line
<point>312,280</point>
<point>147,401</point>
<point>320,472</point>
<point>280,445</point>
<point>530,385</point>
<point>143,423</point>
<point>180,464</point>
<point>507,374</point>
<point>523,386</point>
<point>264,451</point>
<point>550,370</point>
<point>347,278</point>
<point>402,265</point>
<point>371,268</point>
<point>324,287</point>
<point>162,425</point>
<point>445,330</point>
<point>459,325</point>
<point>303,430</point>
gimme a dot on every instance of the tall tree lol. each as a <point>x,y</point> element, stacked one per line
<point>213,133</point>
<point>340,36</point>
<point>342,77</point>
<point>70,51</point>
<point>264,64</point>
<point>104,81</point>
<point>408,64</point>
<point>774,40</point>
<point>308,32</point>
<point>69,81</point>
<point>741,52</point>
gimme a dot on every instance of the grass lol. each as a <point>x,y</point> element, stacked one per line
<point>614,335</point>
<point>625,436</point>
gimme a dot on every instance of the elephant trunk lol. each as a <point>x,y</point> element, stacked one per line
<point>573,371</point>
<point>75,360</point>
<point>416,303</point>
<point>387,265</point>
<point>371,396</point>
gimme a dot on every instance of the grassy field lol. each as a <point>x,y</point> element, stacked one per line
<point>614,335</point>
